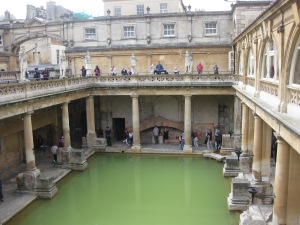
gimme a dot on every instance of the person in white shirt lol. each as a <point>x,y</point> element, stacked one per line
<point>54,152</point>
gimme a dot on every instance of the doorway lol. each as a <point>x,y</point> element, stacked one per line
<point>118,128</point>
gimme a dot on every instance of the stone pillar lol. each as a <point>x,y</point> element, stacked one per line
<point>28,141</point>
<point>245,117</point>
<point>266,153</point>
<point>250,134</point>
<point>66,126</point>
<point>257,146</point>
<point>136,147</point>
<point>187,148</point>
<point>26,181</point>
<point>90,120</point>
<point>281,181</point>
<point>293,206</point>
<point>65,154</point>
<point>237,129</point>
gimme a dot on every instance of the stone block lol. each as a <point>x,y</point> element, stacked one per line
<point>245,164</point>
<point>227,141</point>
<point>45,187</point>
<point>100,144</point>
<point>231,167</point>
<point>78,160</point>
<point>239,198</point>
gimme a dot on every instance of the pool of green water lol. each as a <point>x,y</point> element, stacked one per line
<point>137,190</point>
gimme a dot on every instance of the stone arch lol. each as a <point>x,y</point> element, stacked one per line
<point>16,43</point>
<point>160,121</point>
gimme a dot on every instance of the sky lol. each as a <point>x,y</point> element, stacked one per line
<point>95,7</point>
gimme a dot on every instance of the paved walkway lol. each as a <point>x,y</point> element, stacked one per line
<point>15,201</point>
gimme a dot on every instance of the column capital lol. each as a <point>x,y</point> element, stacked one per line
<point>254,114</point>
<point>278,137</point>
<point>188,95</point>
<point>134,95</point>
<point>28,113</point>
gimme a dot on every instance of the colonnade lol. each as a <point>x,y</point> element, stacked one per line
<point>257,133</point>
<point>91,132</point>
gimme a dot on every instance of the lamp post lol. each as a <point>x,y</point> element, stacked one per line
<point>252,191</point>
<point>238,152</point>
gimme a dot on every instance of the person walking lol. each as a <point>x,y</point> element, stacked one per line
<point>54,152</point>
<point>156,134</point>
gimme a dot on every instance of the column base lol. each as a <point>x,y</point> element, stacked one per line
<point>91,139</point>
<point>45,187</point>
<point>187,149</point>
<point>231,167</point>
<point>26,181</point>
<point>78,160</point>
<point>100,145</point>
<point>136,149</point>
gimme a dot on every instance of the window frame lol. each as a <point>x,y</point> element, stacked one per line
<point>91,35</point>
<point>140,9</point>
<point>163,7</point>
<point>270,55</point>
<point>295,59</point>
<point>1,40</point>
<point>206,29</point>
<point>251,64</point>
<point>164,26</point>
<point>131,36</point>
<point>118,11</point>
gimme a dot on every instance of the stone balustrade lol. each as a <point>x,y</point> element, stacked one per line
<point>34,89</point>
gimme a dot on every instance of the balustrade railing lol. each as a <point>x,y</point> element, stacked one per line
<point>31,89</point>
<point>271,88</point>
<point>294,95</point>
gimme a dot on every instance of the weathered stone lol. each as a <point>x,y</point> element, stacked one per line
<point>78,160</point>
<point>231,167</point>
<point>45,187</point>
<point>100,144</point>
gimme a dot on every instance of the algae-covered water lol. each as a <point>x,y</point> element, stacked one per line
<point>137,190</point>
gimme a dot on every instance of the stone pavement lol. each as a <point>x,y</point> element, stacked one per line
<point>15,201</point>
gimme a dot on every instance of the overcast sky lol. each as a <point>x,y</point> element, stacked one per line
<point>95,7</point>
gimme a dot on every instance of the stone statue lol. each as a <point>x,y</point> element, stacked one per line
<point>133,63</point>
<point>88,63</point>
<point>188,62</point>
<point>63,64</point>
<point>23,62</point>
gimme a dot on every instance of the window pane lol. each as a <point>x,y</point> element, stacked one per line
<point>129,31</point>
<point>90,33</point>
<point>169,29</point>
<point>163,7</point>
<point>140,9</point>
<point>297,69</point>
<point>210,28</point>
<point>118,11</point>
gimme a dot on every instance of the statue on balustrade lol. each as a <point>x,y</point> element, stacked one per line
<point>63,64</point>
<point>88,63</point>
<point>23,63</point>
<point>133,63</point>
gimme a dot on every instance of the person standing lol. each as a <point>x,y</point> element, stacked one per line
<point>196,134</point>
<point>156,134</point>
<point>1,192</point>
<point>166,136</point>
<point>54,152</point>
<point>130,138</point>
<point>108,136</point>
<point>97,71</point>
<point>216,69</point>
<point>209,138</point>
<point>218,137</point>
<point>83,71</point>
<point>61,142</point>
<point>199,68</point>
<point>180,143</point>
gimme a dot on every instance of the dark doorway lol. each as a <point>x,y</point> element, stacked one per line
<point>118,128</point>
<point>83,124</point>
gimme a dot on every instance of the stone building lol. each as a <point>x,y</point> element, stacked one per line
<point>255,95</point>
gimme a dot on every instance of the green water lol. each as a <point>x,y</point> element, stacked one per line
<point>137,190</point>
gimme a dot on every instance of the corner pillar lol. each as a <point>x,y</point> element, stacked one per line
<point>187,125</point>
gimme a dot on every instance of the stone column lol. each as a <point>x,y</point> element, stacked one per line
<point>266,152</point>
<point>245,117</point>
<point>66,126</point>
<point>90,120</point>
<point>293,206</point>
<point>187,148</point>
<point>281,181</point>
<point>65,153</point>
<point>136,147</point>
<point>237,129</point>
<point>250,134</point>
<point>28,141</point>
<point>257,146</point>
<point>27,180</point>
